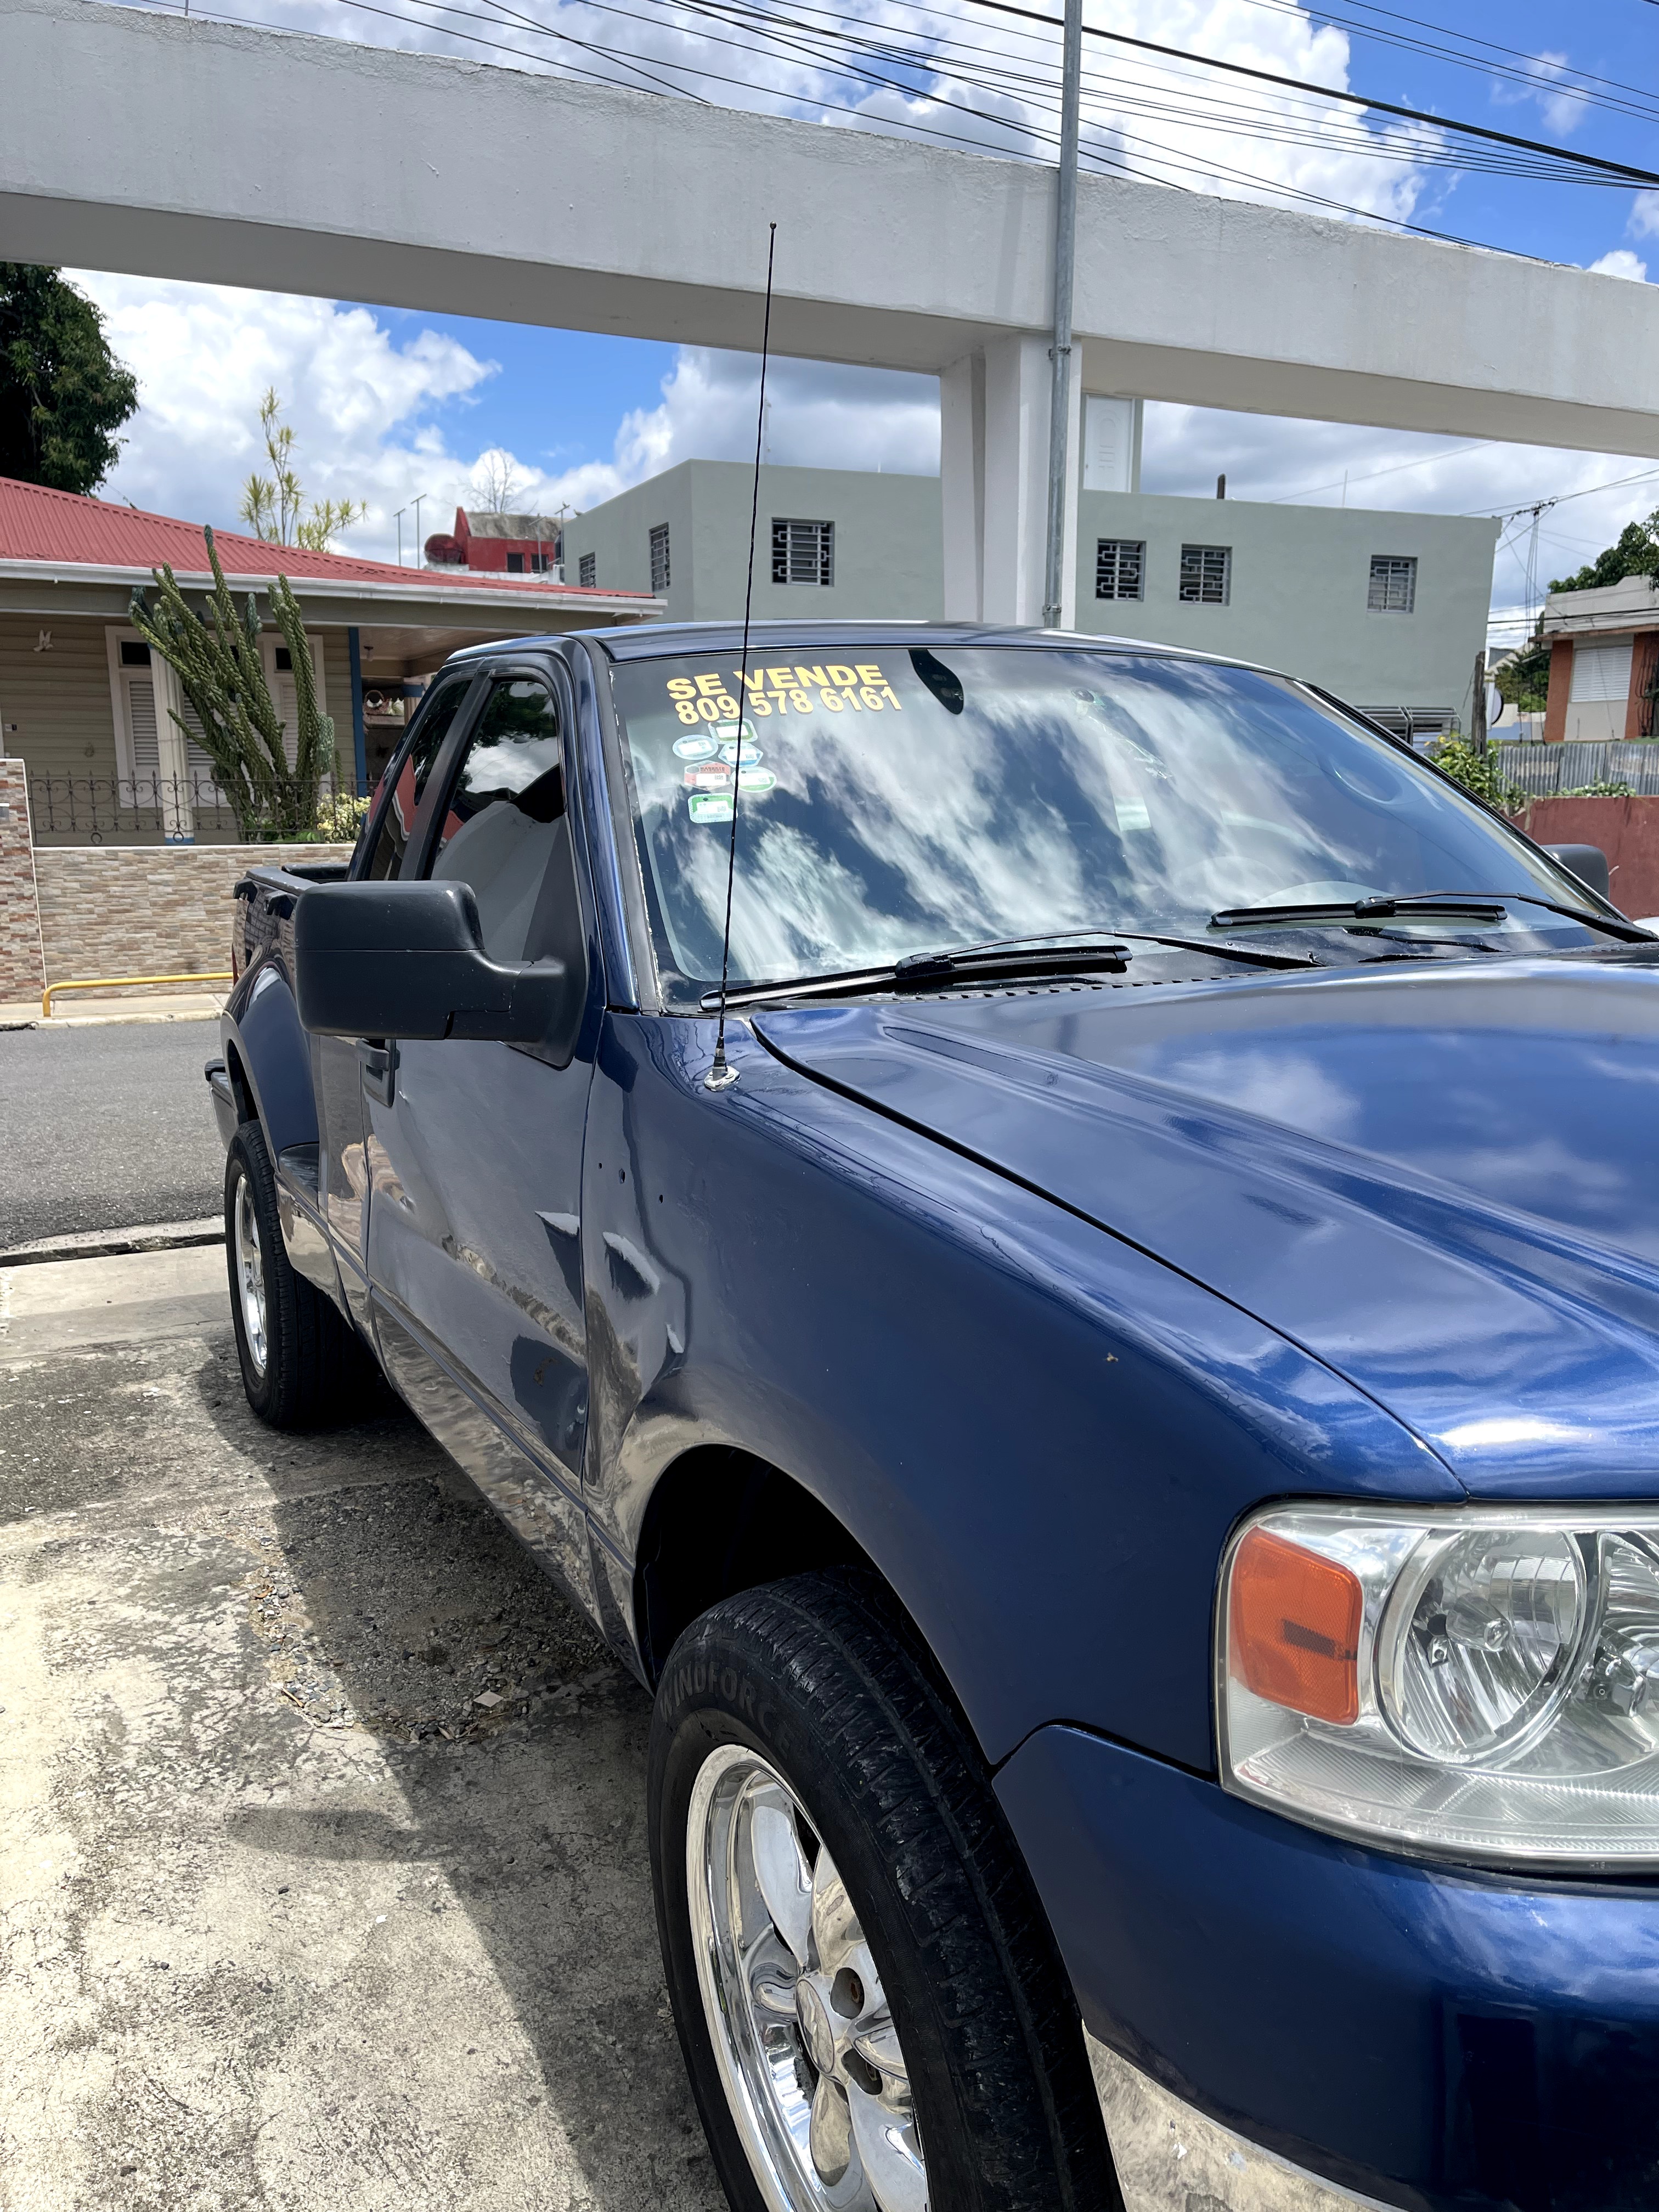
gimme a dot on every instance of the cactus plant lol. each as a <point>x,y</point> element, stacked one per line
<point>218,661</point>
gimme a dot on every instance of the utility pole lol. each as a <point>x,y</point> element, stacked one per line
<point>416,504</point>
<point>1065,261</point>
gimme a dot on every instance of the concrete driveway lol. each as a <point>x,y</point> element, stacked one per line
<point>323,1872</point>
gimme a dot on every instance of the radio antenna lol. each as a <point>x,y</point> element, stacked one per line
<point>721,1074</point>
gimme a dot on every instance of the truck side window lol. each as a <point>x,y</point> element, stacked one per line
<point>408,773</point>
<point>505,818</point>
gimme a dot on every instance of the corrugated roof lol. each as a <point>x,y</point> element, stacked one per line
<point>60,529</point>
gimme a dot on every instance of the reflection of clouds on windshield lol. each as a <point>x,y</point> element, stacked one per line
<point>1076,791</point>
<point>795,905</point>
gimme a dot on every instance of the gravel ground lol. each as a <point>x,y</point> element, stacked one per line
<point>323,1883</point>
<point>106,1127</point>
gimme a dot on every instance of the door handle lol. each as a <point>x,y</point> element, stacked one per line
<point>380,1058</point>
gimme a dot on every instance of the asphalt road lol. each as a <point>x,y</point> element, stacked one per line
<point>106,1127</point>
<point>322,1816</point>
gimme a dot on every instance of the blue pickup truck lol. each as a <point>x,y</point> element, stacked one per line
<point>1117,1418</point>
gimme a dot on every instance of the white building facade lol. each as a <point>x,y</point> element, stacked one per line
<point>1386,610</point>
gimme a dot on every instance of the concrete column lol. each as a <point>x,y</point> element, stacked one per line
<point>962,486</point>
<point>178,819</point>
<point>994,470</point>
<point>359,735</point>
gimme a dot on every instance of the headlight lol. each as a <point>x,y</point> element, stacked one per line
<point>1480,1682</point>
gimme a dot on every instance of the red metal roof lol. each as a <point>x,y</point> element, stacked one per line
<point>60,529</point>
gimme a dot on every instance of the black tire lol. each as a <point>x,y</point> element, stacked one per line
<point>818,1676</point>
<point>315,1370</point>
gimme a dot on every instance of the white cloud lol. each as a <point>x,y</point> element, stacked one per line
<point>819,414</point>
<point>376,421</point>
<point>1562,106</point>
<point>1621,262</point>
<point>1644,216</point>
<point>203,356</point>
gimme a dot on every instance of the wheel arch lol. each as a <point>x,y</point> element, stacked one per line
<point>267,1059</point>
<point>721,1520</point>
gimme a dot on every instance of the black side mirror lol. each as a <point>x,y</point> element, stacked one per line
<point>1587,862</point>
<point>407,960</point>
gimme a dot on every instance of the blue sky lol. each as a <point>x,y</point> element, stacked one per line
<point>386,404</point>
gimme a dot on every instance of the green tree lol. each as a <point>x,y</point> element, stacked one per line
<point>1479,773</point>
<point>273,505</point>
<point>221,674</point>
<point>1635,553</point>
<point>1525,678</point>
<point>63,393</point>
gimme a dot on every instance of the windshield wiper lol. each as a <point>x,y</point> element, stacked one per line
<point>1021,959</point>
<point>1481,906</point>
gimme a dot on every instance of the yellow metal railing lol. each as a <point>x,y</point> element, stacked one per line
<point>122,982</point>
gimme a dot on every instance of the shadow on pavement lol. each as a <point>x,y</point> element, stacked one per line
<point>398,1603</point>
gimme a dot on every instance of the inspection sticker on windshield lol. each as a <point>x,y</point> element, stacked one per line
<point>702,747</point>
<point>834,687</point>
<point>710,806</point>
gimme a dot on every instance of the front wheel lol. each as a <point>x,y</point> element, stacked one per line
<point>302,1364</point>
<point>868,1997</point>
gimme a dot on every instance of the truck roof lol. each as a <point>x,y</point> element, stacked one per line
<point>660,641</point>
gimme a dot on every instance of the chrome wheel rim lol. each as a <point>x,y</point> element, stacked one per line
<point>249,1276</point>
<point>802,2030</point>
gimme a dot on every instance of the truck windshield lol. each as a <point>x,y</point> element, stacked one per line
<point>908,800</point>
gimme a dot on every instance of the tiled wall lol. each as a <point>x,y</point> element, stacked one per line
<point>147,911</point>
<point>20,918</point>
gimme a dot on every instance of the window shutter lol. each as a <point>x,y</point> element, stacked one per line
<point>1120,567</point>
<point>1206,575</point>
<point>659,557</point>
<point>1601,671</point>
<point>146,740</point>
<point>803,552</point>
<point>1393,587</point>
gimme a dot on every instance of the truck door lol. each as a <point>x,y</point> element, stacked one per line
<point>475,1150</point>
<point>338,1064</point>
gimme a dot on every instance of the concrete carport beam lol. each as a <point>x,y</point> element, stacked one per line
<point>171,148</point>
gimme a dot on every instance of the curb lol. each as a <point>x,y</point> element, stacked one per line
<point>113,1244</point>
<point>108,1021</point>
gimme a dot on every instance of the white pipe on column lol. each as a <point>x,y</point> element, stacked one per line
<point>1065,263</point>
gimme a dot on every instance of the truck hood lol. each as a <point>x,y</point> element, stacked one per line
<point>1439,1181</point>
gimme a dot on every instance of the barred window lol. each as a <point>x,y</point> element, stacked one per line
<point>1393,589</point>
<point>659,557</point>
<point>587,571</point>
<point>1120,568</point>
<point>803,552</point>
<point>1206,575</point>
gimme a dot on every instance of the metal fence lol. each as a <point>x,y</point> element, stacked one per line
<point>96,809</point>
<point>1544,771</point>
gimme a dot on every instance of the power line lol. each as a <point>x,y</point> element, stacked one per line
<point>1534,78</point>
<point>1618,170</point>
<point>1423,460</point>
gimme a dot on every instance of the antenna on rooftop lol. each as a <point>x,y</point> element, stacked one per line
<point>721,1075</point>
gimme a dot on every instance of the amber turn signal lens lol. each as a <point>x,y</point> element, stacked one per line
<point>1293,1624</point>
